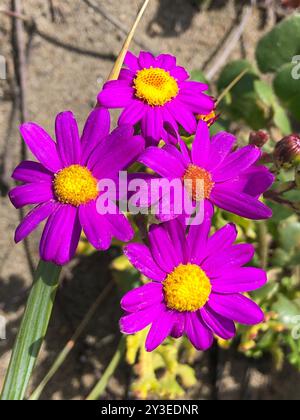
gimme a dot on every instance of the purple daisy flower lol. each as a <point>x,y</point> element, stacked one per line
<point>156,93</point>
<point>64,185</point>
<point>197,284</point>
<point>232,180</point>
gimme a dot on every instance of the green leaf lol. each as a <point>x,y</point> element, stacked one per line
<point>290,235</point>
<point>233,70</point>
<point>280,45</point>
<point>265,92</point>
<point>243,102</point>
<point>281,120</point>
<point>266,293</point>
<point>287,310</point>
<point>287,88</point>
<point>32,331</point>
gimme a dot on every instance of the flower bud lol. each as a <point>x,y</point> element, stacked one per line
<point>259,138</point>
<point>287,151</point>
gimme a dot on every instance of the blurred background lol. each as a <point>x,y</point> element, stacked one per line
<point>69,49</point>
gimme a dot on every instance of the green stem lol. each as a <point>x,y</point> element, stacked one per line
<point>32,331</point>
<point>264,243</point>
<point>71,343</point>
<point>102,384</point>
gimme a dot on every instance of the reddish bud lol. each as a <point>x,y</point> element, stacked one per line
<point>259,138</point>
<point>287,151</point>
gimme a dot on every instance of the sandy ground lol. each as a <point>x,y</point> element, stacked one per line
<point>68,59</point>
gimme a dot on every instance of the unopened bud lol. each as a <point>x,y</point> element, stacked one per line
<point>287,151</point>
<point>259,138</point>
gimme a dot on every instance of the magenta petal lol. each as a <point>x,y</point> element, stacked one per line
<point>221,146</point>
<point>133,113</point>
<point>176,230</point>
<point>95,226</point>
<point>162,162</point>
<point>231,257</point>
<point>119,225</point>
<point>146,60</point>
<point>116,94</point>
<point>198,103</point>
<point>223,238</point>
<point>152,125</point>
<point>142,297</point>
<point>116,153</point>
<point>185,151</point>
<point>166,61</point>
<point>239,280</point>
<point>41,145</point>
<point>182,115</point>
<point>198,235</point>
<point>131,324</point>
<point>67,137</point>
<point>126,74</point>
<point>179,73</point>
<point>192,86</point>
<point>162,248</point>
<point>96,129</point>
<point>170,133</point>
<point>131,61</point>
<point>169,207</point>
<point>32,172</point>
<point>236,163</point>
<point>254,181</point>
<point>140,257</point>
<point>61,235</point>
<point>179,325</point>
<point>33,219</point>
<point>34,193</point>
<point>241,204</point>
<point>201,145</point>
<point>236,307</point>
<point>160,329</point>
<point>172,150</point>
<point>198,333</point>
<point>219,325</point>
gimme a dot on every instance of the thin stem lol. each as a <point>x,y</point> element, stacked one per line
<point>231,86</point>
<point>32,331</point>
<point>264,243</point>
<point>99,389</point>
<point>71,343</point>
<point>120,60</point>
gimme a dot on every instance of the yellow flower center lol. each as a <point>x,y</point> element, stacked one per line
<point>155,86</point>
<point>199,182</point>
<point>187,288</point>
<point>75,185</point>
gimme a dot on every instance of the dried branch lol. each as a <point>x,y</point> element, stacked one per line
<point>231,44</point>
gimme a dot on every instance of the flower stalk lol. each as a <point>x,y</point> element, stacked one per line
<point>32,331</point>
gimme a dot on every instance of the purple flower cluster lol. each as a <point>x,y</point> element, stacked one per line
<point>197,279</point>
